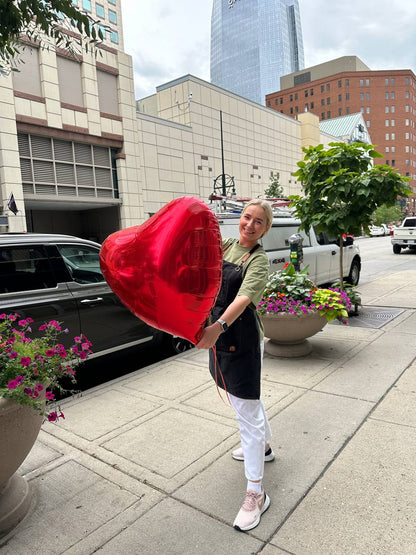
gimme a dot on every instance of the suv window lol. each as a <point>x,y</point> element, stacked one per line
<point>278,237</point>
<point>25,269</point>
<point>83,263</point>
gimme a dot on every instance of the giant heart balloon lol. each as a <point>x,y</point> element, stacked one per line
<point>167,271</point>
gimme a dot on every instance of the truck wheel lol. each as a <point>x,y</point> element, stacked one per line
<point>397,249</point>
<point>354,275</point>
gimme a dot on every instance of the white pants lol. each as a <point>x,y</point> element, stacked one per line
<point>255,432</point>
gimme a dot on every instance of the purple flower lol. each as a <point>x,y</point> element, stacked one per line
<point>25,361</point>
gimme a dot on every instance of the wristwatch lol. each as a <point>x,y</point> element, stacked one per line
<point>223,324</point>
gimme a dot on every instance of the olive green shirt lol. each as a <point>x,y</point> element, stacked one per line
<point>255,273</point>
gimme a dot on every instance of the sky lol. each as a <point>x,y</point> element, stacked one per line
<point>171,38</point>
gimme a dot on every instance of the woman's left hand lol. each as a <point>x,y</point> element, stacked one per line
<point>209,336</point>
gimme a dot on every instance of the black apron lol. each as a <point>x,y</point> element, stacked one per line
<point>237,361</point>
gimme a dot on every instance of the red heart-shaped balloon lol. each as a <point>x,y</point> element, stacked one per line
<point>167,271</point>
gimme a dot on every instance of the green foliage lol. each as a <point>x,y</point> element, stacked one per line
<point>386,214</point>
<point>343,188</point>
<point>43,21</point>
<point>275,190</point>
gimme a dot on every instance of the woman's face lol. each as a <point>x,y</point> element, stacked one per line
<point>253,225</point>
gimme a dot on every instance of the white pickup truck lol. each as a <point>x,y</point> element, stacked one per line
<point>404,237</point>
<point>320,252</point>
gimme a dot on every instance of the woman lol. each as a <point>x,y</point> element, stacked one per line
<point>235,361</point>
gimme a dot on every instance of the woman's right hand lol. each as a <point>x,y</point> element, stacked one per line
<point>209,336</point>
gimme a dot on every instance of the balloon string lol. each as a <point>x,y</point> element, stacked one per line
<point>217,366</point>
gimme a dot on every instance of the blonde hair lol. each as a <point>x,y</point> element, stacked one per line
<point>267,210</point>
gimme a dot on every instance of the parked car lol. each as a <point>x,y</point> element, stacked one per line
<point>405,235</point>
<point>58,277</point>
<point>320,251</point>
<point>379,230</point>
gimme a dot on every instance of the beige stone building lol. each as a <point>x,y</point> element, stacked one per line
<point>80,156</point>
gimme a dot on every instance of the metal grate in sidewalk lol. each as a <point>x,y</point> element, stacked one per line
<point>373,316</point>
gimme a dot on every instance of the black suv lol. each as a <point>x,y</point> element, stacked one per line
<point>58,277</point>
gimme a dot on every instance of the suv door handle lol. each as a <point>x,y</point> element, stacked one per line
<point>333,253</point>
<point>92,301</point>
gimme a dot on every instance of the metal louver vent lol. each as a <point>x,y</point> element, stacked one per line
<point>102,156</point>
<point>23,142</point>
<point>103,177</point>
<point>43,171</point>
<point>104,193</point>
<point>85,176</point>
<point>28,188</point>
<point>26,169</point>
<point>83,153</point>
<point>41,147</point>
<point>45,190</point>
<point>65,173</point>
<point>86,191</point>
<point>63,150</point>
<point>67,191</point>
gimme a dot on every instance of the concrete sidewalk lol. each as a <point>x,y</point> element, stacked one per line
<point>142,465</point>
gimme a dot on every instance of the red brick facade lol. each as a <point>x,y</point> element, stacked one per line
<point>387,100</point>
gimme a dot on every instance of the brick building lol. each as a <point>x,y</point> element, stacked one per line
<point>386,99</point>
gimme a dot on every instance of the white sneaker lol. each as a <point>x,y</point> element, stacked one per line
<point>238,455</point>
<point>255,504</point>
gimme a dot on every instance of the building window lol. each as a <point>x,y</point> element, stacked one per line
<point>340,98</point>
<point>322,101</point>
<point>393,163</point>
<point>386,82</point>
<point>362,109</point>
<point>386,109</point>
<point>393,82</point>
<point>392,95</point>
<point>347,96</point>
<point>328,87</point>
<point>107,92</point>
<point>361,82</point>
<point>406,122</point>
<point>86,4</point>
<point>367,96</point>
<point>339,84</point>
<point>387,136</point>
<point>114,37</point>
<point>28,78</point>
<point>406,108</point>
<point>406,80</point>
<point>296,96</point>
<point>393,136</point>
<point>99,10</point>
<point>322,88</point>
<point>291,97</point>
<point>112,16</point>
<point>306,107</point>
<point>367,82</point>
<point>275,101</point>
<point>312,105</point>
<point>347,82</point>
<point>387,149</point>
<point>367,110</point>
<point>281,100</point>
<point>328,100</point>
<point>322,115</point>
<point>311,92</point>
<point>386,123</point>
<point>296,109</point>
<point>328,114</point>
<point>70,81</point>
<point>386,95</point>
<point>347,110</point>
<point>393,148</point>
<point>392,109</point>
<point>407,94</point>
<point>392,122</point>
<point>368,123</point>
<point>269,103</point>
<point>406,135</point>
<point>406,148</point>
<point>361,96</point>
<point>291,109</point>
<point>112,2</point>
<point>340,111</point>
<point>306,93</point>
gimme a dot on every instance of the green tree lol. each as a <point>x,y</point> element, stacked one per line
<point>275,190</point>
<point>342,188</point>
<point>386,214</point>
<point>43,21</point>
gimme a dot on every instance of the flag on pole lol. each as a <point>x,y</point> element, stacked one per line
<point>11,205</point>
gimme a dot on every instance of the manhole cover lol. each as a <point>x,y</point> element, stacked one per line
<point>373,317</point>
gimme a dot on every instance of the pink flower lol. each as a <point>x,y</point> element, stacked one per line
<point>12,384</point>
<point>49,395</point>
<point>13,354</point>
<point>52,417</point>
<point>62,415</point>
<point>39,387</point>
<point>50,352</point>
<point>25,361</point>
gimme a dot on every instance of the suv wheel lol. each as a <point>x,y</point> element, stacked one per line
<point>397,249</point>
<point>354,275</point>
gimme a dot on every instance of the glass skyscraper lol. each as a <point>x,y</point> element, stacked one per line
<point>253,43</point>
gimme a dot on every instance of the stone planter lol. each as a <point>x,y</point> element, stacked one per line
<point>19,428</point>
<point>288,333</point>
